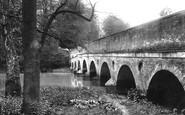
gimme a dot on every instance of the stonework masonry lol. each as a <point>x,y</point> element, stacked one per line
<point>149,57</point>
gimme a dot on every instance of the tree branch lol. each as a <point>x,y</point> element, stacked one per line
<point>65,2</point>
<point>56,38</point>
<point>57,12</point>
<point>76,3</point>
<point>77,13</point>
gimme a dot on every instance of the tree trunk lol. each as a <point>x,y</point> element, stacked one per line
<point>12,85</point>
<point>31,46</point>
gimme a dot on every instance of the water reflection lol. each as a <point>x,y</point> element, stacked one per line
<point>66,79</point>
<point>83,81</point>
<point>60,79</point>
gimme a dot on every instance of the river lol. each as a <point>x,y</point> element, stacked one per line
<point>57,78</point>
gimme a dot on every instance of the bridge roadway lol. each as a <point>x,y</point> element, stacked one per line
<point>148,57</point>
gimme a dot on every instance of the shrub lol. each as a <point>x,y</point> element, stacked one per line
<point>135,94</point>
<point>10,106</point>
<point>52,98</point>
<point>61,96</point>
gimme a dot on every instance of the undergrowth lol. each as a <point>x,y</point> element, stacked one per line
<point>52,99</point>
<point>137,104</point>
<point>83,101</point>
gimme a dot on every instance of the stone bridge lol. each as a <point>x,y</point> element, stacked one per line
<point>149,57</point>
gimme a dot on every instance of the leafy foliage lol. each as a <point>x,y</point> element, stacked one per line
<point>70,29</point>
<point>52,98</point>
<point>66,31</point>
<point>78,100</point>
<point>52,56</point>
<point>61,96</point>
<point>166,11</point>
<point>112,25</point>
<point>10,106</point>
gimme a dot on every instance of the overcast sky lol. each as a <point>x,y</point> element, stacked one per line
<point>136,12</point>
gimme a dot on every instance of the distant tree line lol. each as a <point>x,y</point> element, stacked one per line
<point>113,24</point>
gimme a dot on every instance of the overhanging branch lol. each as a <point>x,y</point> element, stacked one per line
<point>56,38</point>
<point>65,2</point>
<point>77,13</point>
<point>57,12</point>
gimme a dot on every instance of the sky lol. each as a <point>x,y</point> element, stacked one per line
<point>135,12</point>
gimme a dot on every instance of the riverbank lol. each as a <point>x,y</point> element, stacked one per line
<point>62,70</point>
<point>57,100</point>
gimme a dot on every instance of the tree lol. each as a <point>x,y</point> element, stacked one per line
<point>67,22</point>
<point>166,11</point>
<point>89,31</point>
<point>11,34</point>
<point>112,25</point>
<point>70,30</point>
<point>31,46</point>
<point>52,56</point>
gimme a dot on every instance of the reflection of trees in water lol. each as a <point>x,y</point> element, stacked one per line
<point>76,81</point>
<point>80,81</point>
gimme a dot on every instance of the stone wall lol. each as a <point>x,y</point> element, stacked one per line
<point>166,34</point>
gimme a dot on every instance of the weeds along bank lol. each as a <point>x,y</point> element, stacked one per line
<point>57,100</point>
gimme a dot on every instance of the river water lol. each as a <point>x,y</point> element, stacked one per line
<point>57,78</point>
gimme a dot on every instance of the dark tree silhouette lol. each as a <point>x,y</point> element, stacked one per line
<point>31,46</point>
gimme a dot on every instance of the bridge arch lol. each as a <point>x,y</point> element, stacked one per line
<point>165,89</point>
<point>84,69</point>
<point>79,67</point>
<point>72,65</point>
<point>76,65</point>
<point>92,71</point>
<point>104,74</point>
<point>125,79</point>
